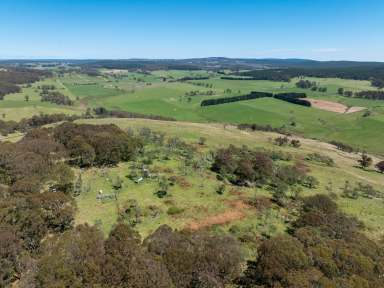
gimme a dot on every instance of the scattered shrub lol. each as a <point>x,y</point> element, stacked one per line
<point>173,210</point>
<point>320,158</point>
<point>380,166</point>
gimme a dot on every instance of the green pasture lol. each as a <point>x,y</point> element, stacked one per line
<point>148,93</point>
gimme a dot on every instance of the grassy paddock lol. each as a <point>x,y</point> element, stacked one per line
<point>199,201</point>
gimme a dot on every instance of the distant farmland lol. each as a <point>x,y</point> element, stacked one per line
<point>165,93</point>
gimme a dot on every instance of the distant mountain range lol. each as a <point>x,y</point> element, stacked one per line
<point>199,63</point>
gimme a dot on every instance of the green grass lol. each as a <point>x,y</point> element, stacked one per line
<point>168,99</point>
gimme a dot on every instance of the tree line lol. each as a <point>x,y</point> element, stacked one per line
<point>306,84</point>
<point>295,98</point>
<point>369,94</point>
<point>375,74</point>
<point>250,96</point>
<point>11,78</point>
<point>104,112</point>
<point>259,127</point>
<point>26,124</point>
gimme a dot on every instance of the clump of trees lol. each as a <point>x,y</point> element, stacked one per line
<point>31,162</point>
<point>365,160</point>
<point>325,248</point>
<point>200,93</point>
<point>243,166</point>
<point>258,127</point>
<point>380,166</point>
<point>320,158</point>
<point>283,141</point>
<point>342,146</point>
<point>378,82</point>
<point>49,94</point>
<point>35,121</point>
<point>246,167</point>
<point>306,84</point>
<point>360,190</point>
<point>56,98</point>
<point>370,94</point>
<point>8,88</point>
<point>89,145</point>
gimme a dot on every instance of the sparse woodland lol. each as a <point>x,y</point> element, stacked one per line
<point>42,247</point>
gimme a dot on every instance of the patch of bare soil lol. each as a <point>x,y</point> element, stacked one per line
<point>354,109</point>
<point>333,106</point>
<point>235,213</point>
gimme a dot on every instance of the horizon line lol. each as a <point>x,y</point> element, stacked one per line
<point>183,58</point>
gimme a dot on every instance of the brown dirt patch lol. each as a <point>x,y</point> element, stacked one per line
<point>237,204</point>
<point>235,213</point>
<point>235,192</point>
<point>261,203</point>
<point>333,106</point>
<point>219,219</point>
<point>182,182</point>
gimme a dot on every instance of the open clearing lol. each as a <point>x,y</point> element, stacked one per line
<point>333,106</point>
<point>235,212</point>
<point>195,194</point>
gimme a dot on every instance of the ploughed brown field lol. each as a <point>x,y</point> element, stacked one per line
<point>333,106</point>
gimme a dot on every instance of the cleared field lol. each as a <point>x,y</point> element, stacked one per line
<point>194,194</point>
<point>333,106</point>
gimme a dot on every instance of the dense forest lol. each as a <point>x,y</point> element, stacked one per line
<point>373,73</point>
<point>11,77</point>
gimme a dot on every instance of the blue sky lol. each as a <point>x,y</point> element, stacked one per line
<point>316,29</point>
